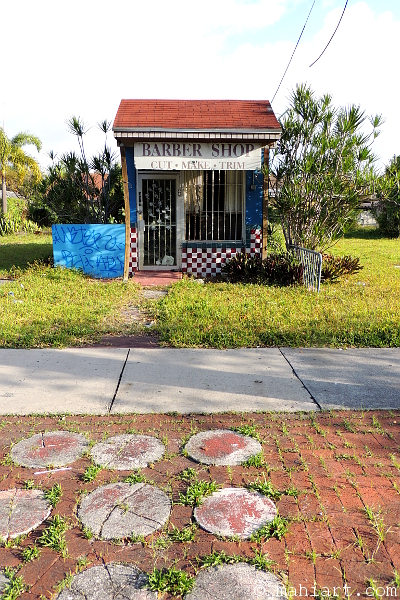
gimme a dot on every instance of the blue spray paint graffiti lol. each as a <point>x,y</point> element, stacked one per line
<point>97,250</point>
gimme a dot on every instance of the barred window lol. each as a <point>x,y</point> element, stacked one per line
<point>213,205</point>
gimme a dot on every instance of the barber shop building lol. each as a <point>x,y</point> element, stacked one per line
<point>193,183</point>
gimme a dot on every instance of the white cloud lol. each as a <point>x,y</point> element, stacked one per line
<point>83,57</point>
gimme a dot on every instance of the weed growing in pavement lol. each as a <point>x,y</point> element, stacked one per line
<point>87,533</point>
<point>348,426</point>
<point>248,430</point>
<point>265,487</point>
<point>285,430</point>
<point>54,536</point>
<point>292,491</point>
<point>90,473</point>
<point>219,558</point>
<point>377,523</point>
<point>188,474</point>
<point>316,426</point>
<point>377,425</point>
<point>134,478</point>
<point>137,539</point>
<point>257,460</point>
<point>312,555</point>
<point>274,529</point>
<point>374,587</point>
<point>161,543</point>
<point>29,484</point>
<point>54,494</point>
<point>259,560</point>
<point>13,542</point>
<point>81,563</point>
<point>15,585</point>
<point>30,553</point>
<point>7,461</point>
<point>196,492</point>
<point>187,534</point>
<point>395,462</point>
<point>193,430</point>
<point>172,580</point>
<point>396,579</point>
<point>65,583</point>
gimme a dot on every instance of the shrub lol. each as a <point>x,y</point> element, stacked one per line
<point>282,269</point>
<point>243,268</point>
<point>278,268</point>
<point>15,220</point>
<point>334,267</point>
<point>388,216</point>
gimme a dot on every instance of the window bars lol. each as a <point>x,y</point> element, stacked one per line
<point>312,265</point>
<point>213,205</point>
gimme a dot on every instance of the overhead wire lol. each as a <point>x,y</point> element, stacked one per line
<point>332,36</point>
<point>298,41</point>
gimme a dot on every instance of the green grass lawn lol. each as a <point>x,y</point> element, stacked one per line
<point>59,307</point>
<point>43,306</point>
<point>362,310</point>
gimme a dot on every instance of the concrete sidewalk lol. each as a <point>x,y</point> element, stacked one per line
<point>116,380</point>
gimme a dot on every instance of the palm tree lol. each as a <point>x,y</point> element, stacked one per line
<point>13,156</point>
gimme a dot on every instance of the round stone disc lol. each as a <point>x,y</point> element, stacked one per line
<point>222,447</point>
<point>3,582</point>
<point>21,511</point>
<point>55,448</point>
<point>126,452</point>
<point>120,510</point>
<point>108,582</point>
<point>235,512</point>
<point>236,582</point>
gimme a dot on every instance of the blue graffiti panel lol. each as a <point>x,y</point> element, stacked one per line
<point>97,250</point>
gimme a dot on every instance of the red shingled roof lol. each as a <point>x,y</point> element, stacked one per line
<point>196,115</point>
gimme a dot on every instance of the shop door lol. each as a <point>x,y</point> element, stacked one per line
<point>158,243</point>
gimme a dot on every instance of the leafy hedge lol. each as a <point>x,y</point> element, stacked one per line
<point>278,269</point>
<point>284,268</point>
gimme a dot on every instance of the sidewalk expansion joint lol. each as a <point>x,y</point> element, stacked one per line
<point>301,381</point>
<point>119,382</point>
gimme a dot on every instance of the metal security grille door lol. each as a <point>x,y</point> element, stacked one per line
<point>159,215</point>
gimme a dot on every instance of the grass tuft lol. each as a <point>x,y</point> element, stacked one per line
<point>275,529</point>
<point>265,487</point>
<point>91,473</point>
<point>54,494</point>
<point>54,536</point>
<point>196,492</point>
<point>172,580</point>
<point>15,586</point>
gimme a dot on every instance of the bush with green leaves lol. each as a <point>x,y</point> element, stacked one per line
<point>334,267</point>
<point>387,211</point>
<point>15,221</point>
<point>322,168</point>
<point>77,189</point>
<point>277,269</point>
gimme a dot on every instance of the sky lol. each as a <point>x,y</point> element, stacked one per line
<point>82,57</point>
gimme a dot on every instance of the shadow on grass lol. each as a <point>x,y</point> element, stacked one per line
<point>20,254</point>
<point>364,233</point>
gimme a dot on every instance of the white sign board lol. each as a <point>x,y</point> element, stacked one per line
<point>186,156</point>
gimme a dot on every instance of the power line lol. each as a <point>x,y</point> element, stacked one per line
<point>337,27</point>
<point>298,41</point>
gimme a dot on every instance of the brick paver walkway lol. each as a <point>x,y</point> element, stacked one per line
<point>334,478</point>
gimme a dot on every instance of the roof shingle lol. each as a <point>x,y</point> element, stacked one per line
<point>196,115</point>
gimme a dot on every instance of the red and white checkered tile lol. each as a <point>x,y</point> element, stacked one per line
<point>201,261</point>
<point>208,261</point>
<point>255,241</point>
<point>133,258</point>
